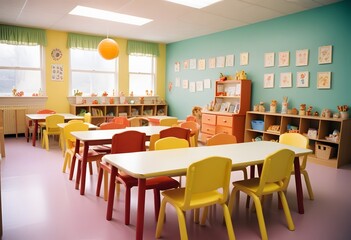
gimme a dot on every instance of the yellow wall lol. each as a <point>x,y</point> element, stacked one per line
<point>57,92</point>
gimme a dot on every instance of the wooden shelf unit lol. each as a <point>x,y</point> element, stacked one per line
<point>103,112</point>
<point>324,127</point>
<point>237,95</point>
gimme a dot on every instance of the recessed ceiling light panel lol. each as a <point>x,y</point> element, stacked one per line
<point>195,3</point>
<point>109,16</point>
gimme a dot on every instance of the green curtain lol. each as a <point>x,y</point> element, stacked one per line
<point>86,42</point>
<point>22,35</point>
<point>142,48</point>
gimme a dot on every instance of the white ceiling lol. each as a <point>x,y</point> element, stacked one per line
<point>172,22</point>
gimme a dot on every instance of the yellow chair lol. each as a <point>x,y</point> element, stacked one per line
<point>51,128</point>
<point>195,129</point>
<point>152,141</point>
<point>170,121</point>
<point>299,140</point>
<point>275,176</point>
<point>207,184</point>
<point>87,117</point>
<point>171,143</point>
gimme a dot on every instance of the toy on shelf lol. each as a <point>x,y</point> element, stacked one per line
<point>273,106</point>
<point>302,111</point>
<point>222,77</point>
<point>261,107</point>
<point>309,111</point>
<point>285,105</point>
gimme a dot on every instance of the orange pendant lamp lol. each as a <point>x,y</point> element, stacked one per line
<point>108,49</point>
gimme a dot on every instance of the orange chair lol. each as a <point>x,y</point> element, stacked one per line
<point>194,134</point>
<point>190,118</point>
<point>134,141</point>
<point>111,125</point>
<point>138,121</point>
<point>123,121</point>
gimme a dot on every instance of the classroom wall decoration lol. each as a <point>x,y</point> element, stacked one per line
<point>325,54</point>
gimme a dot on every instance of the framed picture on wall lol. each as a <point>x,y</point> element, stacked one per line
<point>284,59</point>
<point>302,79</point>
<point>302,57</point>
<point>244,58</point>
<point>229,60</point>
<point>212,63</point>
<point>268,80</point>
<point>201,65</point>
<point>285,80</point>
<point>269,59</point>
<point>220,61</point>
<point>323,80</point>
<point>186,64</point>
<point>325,54</point>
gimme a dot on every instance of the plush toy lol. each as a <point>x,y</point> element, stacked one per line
<point>309,111</point>
<point>302,111</point>
<point>196,111</point>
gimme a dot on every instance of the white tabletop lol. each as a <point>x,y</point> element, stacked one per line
<point>108,134</point>
<point>67,116</point>
<point>175,162</point>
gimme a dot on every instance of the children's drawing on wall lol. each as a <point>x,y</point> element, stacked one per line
<point>192,63</point>
<point>244,59</point>
<point>284,59</point>
<point>201,64</point>
<point>220,61</point>
<point>192,87</point>
<point>177,66</point>
<point>285,80</point>
<point>269,59</point>
<point>170,86</point>
<point>186,64</point>
<point>302,79</point>
<point>268,80</point>
<point>324,80</point>
<point>199,86</point>
<point>185,83</point>
<point>212,63</point>
<point>207,83</point>
<point>325,54</point>
<point>177,82</point>
<point>302,57</point>
<point>229,60</point>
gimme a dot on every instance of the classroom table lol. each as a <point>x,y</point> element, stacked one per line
<point>36,118</point>
<point>99,137</point>
<point>174,162</point>
<point>155,120</point>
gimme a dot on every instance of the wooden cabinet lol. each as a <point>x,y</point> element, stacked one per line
<point>317,129</point>
<point>103,112</point>
<point>231,101</point>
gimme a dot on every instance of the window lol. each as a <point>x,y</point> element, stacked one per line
<point>21,68</point>
<point>141,74</point>
<point>91,74</point>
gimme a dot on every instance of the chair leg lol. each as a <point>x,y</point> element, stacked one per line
<point>105,176</point>
<point>160,221</point>
<point>66,162</point>
<point>228,222</point>
<point>98,185</point>
<point>90,168</point>
<point>157,201</point>
<point>260,217</point>
<point>308,184</point>
<point>288,217</point>
<point>204,215</point>
<point>127,207</point>
<point>182,224</point>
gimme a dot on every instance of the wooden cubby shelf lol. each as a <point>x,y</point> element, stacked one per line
<point>323,127</point>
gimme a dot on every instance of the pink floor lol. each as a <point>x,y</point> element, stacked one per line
<point>39,202</point>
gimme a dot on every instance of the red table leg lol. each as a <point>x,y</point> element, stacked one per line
<point>111,193</point>
<point>35,131</point>
<point>83,165</point>
<point>73,163</point>
<point>299,193</point>
<point>141,208</point>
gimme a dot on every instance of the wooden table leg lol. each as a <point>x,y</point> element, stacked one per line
<point>73,163</point>
<point>35,131</point>
<point>83,165</point>
<point>141,208</point>
<point>299,193</point>
<point>111,193</point>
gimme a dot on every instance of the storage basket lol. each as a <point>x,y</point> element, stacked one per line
<point>324,151</point>
<point>257,125</point>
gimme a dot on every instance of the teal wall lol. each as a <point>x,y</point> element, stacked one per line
<point>329,25</point>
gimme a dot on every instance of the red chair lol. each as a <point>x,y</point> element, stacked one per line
<point>134,141</point>
<point>123,121</point>
<point>111,125</point>
<point>178,132</point>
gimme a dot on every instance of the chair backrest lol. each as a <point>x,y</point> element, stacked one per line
<point>75,120</point>
<point>138,121</point>
<point>72,127</point>
<point>52,121</point>
<point>190,118</point>
<point>296,140</point>
<point>46,111</point>
<point>87,117</point>
<point>111,125</point>
<point>277,169</point>
<point>208,175</point>
<point>171,143</point>
<point>128,141</point>
<point>176,132</point>
<point>220,139</point>
<point>170,121</point>
<point>193,126</point>
<point>153,139</point>
<point>123,121</point>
